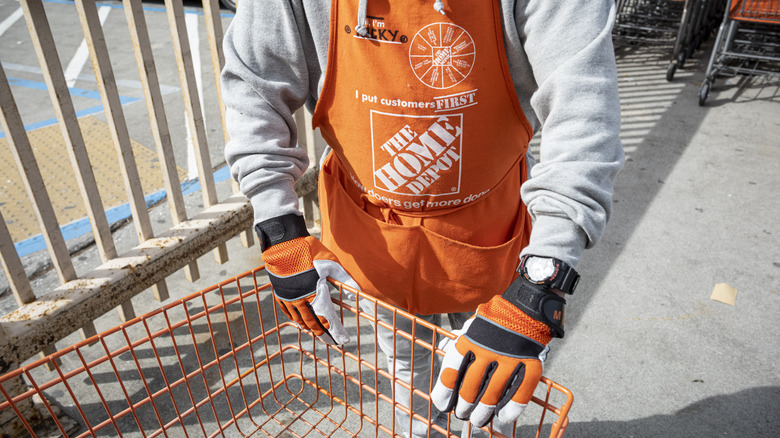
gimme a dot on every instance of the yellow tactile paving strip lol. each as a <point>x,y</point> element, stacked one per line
<point>54,163</point>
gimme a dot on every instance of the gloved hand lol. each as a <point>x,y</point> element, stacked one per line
<point>299,266</point>
<point>493,367</point>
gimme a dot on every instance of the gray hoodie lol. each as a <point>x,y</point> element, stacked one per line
<point>563,67</point>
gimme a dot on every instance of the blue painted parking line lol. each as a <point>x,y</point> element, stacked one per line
<point>81,227</point>
<point>145,8</point>
<point>37,85</point>
<point>79,92</point>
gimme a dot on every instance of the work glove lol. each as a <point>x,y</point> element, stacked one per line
<point>494,365</point>
<point>298,266</point>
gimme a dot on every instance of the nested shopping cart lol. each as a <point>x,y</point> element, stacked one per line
<point>682,25</point>
<point>654,22</point>
<point>226,362</point>
<point>699,19</point>
<point>748,42</point>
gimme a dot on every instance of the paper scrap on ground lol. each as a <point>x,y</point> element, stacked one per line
<point>724,293</point>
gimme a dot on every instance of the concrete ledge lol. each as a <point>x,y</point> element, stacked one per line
<point>29,329</point>
<point>55,315</point>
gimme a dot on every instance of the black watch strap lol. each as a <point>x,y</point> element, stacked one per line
<point>280,229</point>
<point>539,303</point>
<point>567,280</point>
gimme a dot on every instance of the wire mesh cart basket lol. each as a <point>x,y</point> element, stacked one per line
<point>682,25</point>
<point>748,42</point>
<point>226,362</point>
<point>654,22</point>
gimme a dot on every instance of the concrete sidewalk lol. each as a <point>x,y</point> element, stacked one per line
<point>647,352</point>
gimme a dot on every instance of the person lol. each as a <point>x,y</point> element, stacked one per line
<point>430,197</point>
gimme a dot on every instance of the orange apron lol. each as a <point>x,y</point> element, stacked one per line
<point>421,195</point>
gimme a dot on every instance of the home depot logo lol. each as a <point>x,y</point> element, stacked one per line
<point>442,55</point>
<point>417,155</point>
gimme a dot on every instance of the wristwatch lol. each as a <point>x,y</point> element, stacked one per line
<point>549,272</point>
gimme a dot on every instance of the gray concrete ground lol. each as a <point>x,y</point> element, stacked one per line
<point>647,352</point>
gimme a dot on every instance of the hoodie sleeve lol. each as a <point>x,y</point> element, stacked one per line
<point>267,76</point>
<point>567,46</point>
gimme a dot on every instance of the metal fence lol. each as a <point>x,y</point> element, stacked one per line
<point>46,316</point>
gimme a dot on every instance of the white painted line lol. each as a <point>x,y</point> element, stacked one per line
<point>81,57</point>
<point>193,35</point>
<point>8,22</point>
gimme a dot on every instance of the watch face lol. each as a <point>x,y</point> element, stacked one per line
<point>539,268</point>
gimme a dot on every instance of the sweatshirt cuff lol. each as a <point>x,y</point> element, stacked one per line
<point>558,237</point>
<point>274,201</point>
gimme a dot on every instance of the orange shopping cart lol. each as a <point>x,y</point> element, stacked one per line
<point>748,42</point>
<point>226,362</point>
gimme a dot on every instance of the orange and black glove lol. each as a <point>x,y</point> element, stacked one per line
<point>494,365</point>
<point>299,266</point>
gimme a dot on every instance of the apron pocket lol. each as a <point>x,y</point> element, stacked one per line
<point>457,277</point>
<point>411,266</point>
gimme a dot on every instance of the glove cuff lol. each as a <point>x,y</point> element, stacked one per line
<point>497,338</point>
<point>539,303</point>
<point>280,229</point>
